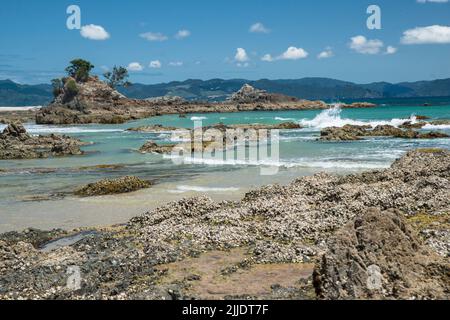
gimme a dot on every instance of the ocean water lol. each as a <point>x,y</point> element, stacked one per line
<point>300,154</point>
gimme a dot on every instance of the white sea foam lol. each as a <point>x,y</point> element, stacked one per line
<point>332,118</point>
<point>20,108</point>
<point>436,127</point>
<point>36,129</point>
<point>305,163</point>
<point>198,118</point>
<point>184,188</point>
<point>284,119</point>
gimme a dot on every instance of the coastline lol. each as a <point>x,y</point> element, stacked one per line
<point>274,226</point>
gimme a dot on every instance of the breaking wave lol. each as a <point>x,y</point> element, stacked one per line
<point>332,118</point>
<point>302,163</point>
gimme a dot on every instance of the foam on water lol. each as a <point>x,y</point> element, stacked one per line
<point>332,118</point>
<point>304,163</point>
<point>198,118</point>
<point>36,129</point>
<point>20,108</point>
<point>284,119</point>
<point>436,127</point>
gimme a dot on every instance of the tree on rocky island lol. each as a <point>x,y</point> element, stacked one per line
<point>117,77</point>
<point>79,69</point>
<point>58,85</point>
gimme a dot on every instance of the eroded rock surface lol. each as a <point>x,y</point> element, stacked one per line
<point>16,143</point>
<point>354,132</point>
<point>378,256</point>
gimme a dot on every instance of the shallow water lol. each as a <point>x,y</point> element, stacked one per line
<point>300,154</point>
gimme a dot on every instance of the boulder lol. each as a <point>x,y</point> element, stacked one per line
<point>15,130</point>
<point>379,256</point>
<point>346,133</point>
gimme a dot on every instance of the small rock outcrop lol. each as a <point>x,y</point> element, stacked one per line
<point>153,147</point>
<point>16,143</point>
<point>354,132</point>
<point>248,94</point>
<point>113,186</point>
<point>346,133</point>
<point>378,256</point>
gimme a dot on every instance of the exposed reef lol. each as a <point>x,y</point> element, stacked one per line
<point>380,233</point>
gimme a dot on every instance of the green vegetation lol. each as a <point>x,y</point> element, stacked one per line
<point>71,88</point>
<point>117,77</point>
<point>79,69</point>
<point>58,86</point>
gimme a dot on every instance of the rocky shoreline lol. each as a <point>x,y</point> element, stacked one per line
<point>380,234</point>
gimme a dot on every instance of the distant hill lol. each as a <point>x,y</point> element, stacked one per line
<point>13,94</point>
<point>306,88</point>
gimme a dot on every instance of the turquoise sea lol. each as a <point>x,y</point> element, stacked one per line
<point>300,154</point>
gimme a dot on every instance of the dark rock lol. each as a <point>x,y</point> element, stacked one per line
<point>113,186</point>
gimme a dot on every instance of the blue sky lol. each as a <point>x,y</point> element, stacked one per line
<point>36,44</point>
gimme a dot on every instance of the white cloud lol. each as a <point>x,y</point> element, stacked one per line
<point>176,64</point>
<point>135,66</point>
<point>259,28</point>
<point>362,45</point>
<point>328,53</point>
<point>432,1</point>
<point>181,34</point>
<point>153,36</point>
<point>293,53</point>
<point>391,50</point>
<point>94,32</point>
<point>267,58</point>
<point>241,55</point>
<point>155,64</point>
<point>426,35</point>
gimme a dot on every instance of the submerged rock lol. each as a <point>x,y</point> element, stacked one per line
<point>113,186</point>
<point>378,256</point>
